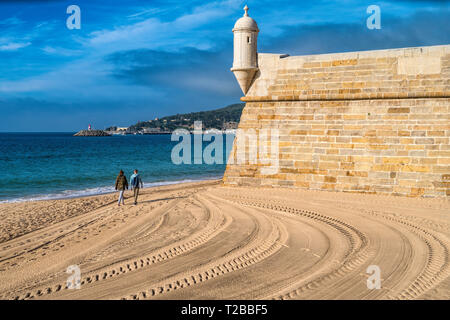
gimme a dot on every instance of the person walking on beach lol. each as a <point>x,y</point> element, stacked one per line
<point>136,184</point>
<point>121,185</point>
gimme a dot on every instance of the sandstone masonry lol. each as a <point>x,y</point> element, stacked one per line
<point>373,121</point>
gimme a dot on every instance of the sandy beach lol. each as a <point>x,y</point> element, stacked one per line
<point>206,241</point>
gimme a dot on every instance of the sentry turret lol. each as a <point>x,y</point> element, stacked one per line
<point>245,63</point>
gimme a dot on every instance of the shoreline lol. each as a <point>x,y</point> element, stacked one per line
<point>21,218</point>
<point>97,191</point>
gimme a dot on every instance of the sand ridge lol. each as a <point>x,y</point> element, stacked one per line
<point>206,241</point>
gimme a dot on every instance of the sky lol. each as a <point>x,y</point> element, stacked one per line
<point>136,60</point>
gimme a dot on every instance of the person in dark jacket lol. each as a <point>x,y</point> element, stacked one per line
<point>121,185</point>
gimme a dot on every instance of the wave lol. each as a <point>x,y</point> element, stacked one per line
<point>70,194</point>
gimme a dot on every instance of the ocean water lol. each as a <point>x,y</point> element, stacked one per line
<point>39,166</point>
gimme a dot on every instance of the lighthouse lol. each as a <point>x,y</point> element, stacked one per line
<point>245,63</point>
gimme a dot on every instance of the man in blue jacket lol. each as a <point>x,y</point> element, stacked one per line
<point>136,184</point>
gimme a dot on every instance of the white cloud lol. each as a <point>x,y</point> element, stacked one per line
<point>146,12</point>
<point>154,33</point>
<point>78,81</point>
<point>61,51</point>
<point>11,21</point>
<point>13,46</point>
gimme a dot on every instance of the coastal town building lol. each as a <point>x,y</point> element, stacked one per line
<point>230,125</point>
<point>151,130</point>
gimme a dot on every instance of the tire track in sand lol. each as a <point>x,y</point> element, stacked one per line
<point>216,224</point>
<point>259,248</point>
<point>87,225</point>
<point>354,257</point>
<point>437,267</point>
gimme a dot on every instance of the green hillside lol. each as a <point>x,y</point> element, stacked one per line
<point>223,118</point>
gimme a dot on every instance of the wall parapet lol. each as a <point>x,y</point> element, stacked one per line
<point>382,74</point>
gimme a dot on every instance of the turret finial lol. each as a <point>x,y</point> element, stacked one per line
<point>246,11</point>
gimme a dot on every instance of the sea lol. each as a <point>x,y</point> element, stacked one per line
<point>44,166</point>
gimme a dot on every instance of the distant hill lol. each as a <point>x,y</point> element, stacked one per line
<point>223,118</point>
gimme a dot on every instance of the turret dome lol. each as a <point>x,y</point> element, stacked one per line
<point>246,23</point>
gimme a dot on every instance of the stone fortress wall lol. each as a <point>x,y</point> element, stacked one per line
<point>372,121</point>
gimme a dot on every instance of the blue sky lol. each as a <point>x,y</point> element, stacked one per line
<point>136,60</point>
